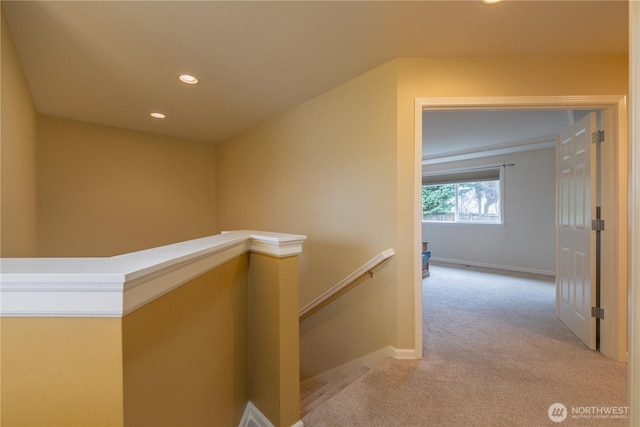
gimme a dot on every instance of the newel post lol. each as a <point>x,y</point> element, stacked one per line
<point>274,351</point>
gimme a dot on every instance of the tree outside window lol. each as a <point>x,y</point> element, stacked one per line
<point>472,201</point>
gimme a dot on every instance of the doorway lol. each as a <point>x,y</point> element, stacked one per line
<point>613,332</point>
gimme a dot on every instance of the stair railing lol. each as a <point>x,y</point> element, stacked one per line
<point>364,269</point>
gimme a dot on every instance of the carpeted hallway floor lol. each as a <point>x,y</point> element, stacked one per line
<point>494,355</point>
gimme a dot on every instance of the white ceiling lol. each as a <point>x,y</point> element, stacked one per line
<point>114,62</point>
<point>456,135</point>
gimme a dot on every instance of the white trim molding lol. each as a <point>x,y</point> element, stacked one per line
<point>116,286</point>
<point>252,417</point>
<point>464,263</point>
<point>273,244</point>
<point>368,360</point>
<point>634,213</point>
<point>405,354</point>
<point>491,150</point>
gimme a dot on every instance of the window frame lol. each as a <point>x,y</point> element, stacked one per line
<point>463,175</point>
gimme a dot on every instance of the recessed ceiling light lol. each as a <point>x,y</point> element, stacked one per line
<point>491,1</point>
<point>158,115</point>
<point>188,79</point>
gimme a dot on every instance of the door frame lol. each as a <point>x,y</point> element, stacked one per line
<point>615,176</point>
<point>634,220</point>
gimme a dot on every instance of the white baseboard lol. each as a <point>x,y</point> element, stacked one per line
<point>494,266</point>
<point>252,416</point>
<point>403,354</point>
<point>368,360</point>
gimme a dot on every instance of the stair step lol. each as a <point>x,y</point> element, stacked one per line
<point>309,392</point>
<point>314,396</point>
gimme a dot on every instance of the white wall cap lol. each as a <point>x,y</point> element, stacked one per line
<point>115,286</point>
<point>275,244</point>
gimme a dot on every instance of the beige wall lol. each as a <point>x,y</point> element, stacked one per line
<point>18,212</point>
<point>326,169</point>
<point>70,188</point>
<point>340,170</point>
<point>185,354</point>
<point>61,372</point>
<point>104,191</point>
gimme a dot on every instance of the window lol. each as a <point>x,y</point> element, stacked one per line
<point>469,196</point>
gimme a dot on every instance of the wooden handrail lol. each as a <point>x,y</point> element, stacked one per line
<point>366,268</point>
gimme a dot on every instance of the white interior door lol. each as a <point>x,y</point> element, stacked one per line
<point>576,246</point>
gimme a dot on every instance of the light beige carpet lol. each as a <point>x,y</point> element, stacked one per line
<point>494,355</point>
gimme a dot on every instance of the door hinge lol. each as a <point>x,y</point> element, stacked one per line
<point>597,224</point>
<point>597,312</point>
<point>597,136</point>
